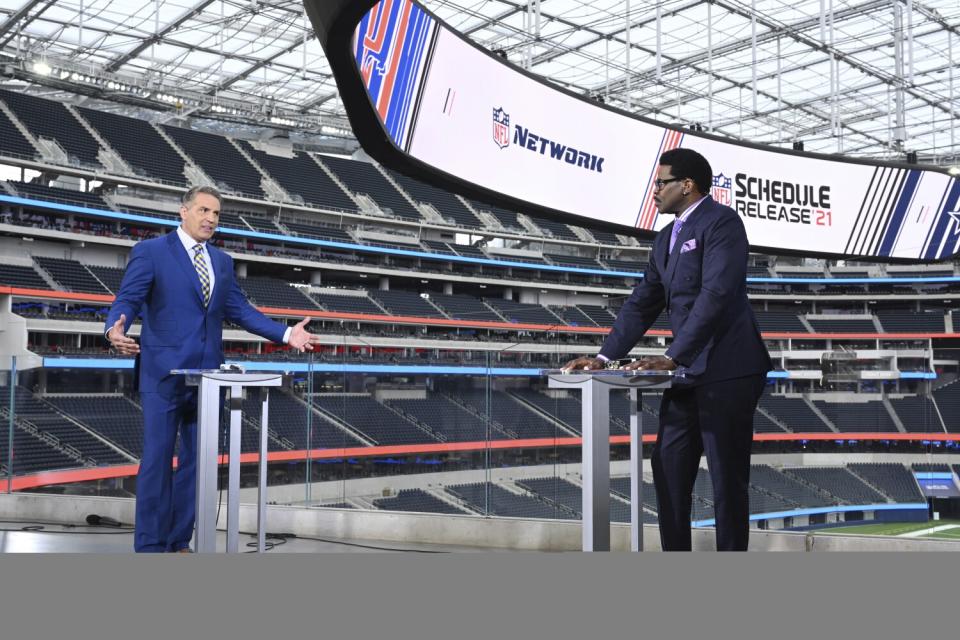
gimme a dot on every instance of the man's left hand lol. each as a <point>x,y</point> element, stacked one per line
<point>301,339</point>
<point>655,363</point>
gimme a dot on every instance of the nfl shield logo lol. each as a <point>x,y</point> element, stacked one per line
<point>721,189</point>
<point>501,127</point>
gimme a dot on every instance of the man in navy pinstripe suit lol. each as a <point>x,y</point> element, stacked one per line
<point>697,274</point>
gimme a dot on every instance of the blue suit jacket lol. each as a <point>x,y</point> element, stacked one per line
<point>178,331</point>
<point>704,292</point>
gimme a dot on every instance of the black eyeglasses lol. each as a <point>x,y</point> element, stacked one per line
<point>658,183</point>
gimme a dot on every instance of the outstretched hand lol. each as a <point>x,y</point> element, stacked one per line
<point>117,336</point>
<point>301,339</point>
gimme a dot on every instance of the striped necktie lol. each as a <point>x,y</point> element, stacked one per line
<point>201,266</point>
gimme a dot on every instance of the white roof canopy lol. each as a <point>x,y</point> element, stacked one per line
<point>871,78</point>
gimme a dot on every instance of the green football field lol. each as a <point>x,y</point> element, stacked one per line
<point>899,528</point>
<point>950,534</point>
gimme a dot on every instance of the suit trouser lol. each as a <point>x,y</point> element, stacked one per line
<point>716,419</point>
<point>167,501</point>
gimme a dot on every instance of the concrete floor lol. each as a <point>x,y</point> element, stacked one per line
<point>21,537</point>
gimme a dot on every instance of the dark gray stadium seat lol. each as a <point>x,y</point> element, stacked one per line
<point>51,119</point>
<point>139,144</point>
<point>219,159</point>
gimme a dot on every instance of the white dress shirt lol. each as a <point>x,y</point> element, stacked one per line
<point>689,210</point>
<point>682,219</point>
<point>188,244</point>
<point>686,212</point>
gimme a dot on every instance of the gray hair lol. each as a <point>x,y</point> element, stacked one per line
<point>192,192</point>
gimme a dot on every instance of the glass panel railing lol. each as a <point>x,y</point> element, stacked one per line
<point>475,430</point>
<point>70,430</point>
<point>423,431</point>
<point>8,408</point>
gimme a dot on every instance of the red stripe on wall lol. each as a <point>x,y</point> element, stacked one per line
<point>21,483</point>
<point>475,324</point>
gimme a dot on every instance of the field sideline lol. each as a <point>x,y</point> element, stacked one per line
<point>899,529</point>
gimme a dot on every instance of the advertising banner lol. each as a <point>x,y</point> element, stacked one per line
<point>469,121</point>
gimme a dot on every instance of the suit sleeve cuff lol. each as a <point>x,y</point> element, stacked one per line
<point>675,359</point>
<point>602,358</point>
<point>286,335</point>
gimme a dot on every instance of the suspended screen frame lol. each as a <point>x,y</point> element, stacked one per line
<point>888,211</point>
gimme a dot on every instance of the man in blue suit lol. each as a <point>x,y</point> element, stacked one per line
<point>697,273</point>
<point>185,288</point>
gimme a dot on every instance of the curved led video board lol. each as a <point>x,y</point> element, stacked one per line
<point>425,101</point>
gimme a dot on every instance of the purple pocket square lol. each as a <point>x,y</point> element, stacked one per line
<point>689,245</point>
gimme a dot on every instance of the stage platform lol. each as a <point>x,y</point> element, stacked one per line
<point>24,537</point>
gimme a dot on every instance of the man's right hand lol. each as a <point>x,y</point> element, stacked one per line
<point>584,363</point>
<point>121,342</point>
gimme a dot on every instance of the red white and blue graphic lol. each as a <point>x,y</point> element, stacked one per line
<point>501,127</point>
<point>721,190</point>
<point>647,217</point>
<point>469,116</point>
<point>392,46</point>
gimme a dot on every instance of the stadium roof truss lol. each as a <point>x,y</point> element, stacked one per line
<point>872,78</point>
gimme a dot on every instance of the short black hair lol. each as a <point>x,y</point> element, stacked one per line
<point>687,163</point>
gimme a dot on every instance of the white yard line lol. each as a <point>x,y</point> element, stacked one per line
<point>923,532</point>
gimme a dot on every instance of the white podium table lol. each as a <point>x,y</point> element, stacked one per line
<point>595,389</point>
<point>208,426</point>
